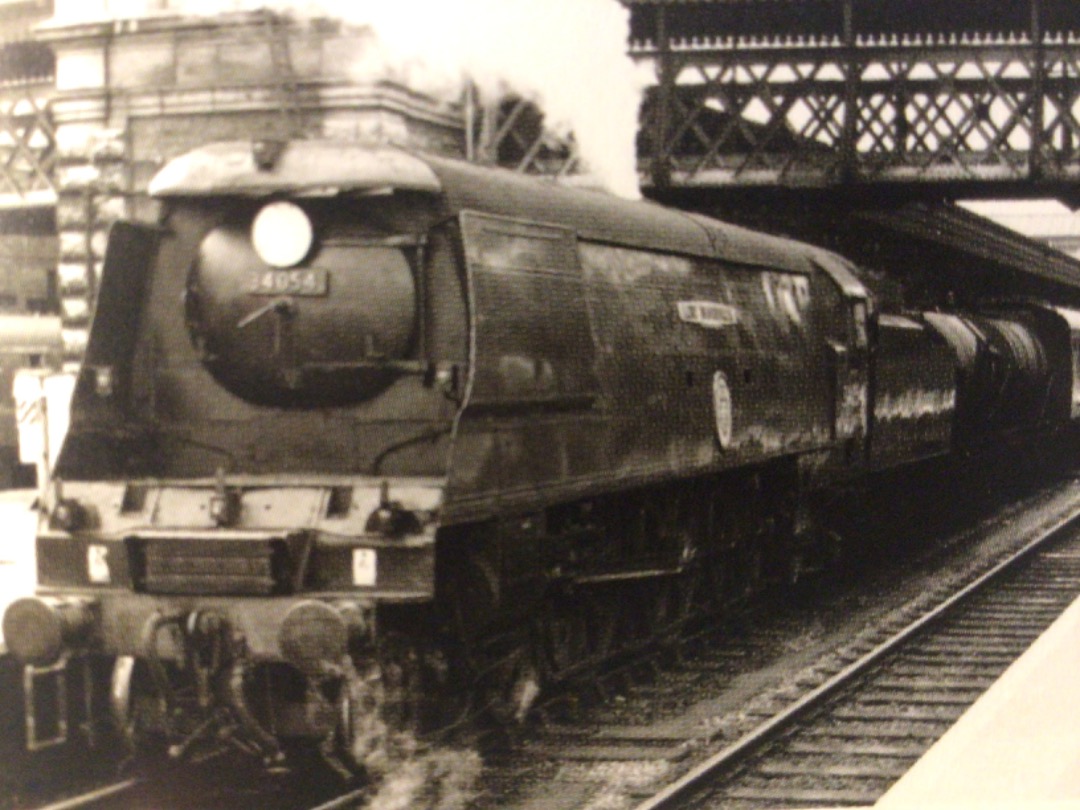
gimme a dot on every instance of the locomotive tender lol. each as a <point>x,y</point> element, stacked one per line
<point>365,439</point>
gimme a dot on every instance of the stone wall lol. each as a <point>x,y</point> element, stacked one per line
<point>93,186</point>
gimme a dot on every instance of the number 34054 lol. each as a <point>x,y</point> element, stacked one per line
<point>291,282</point>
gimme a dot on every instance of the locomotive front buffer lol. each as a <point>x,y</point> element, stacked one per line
<point>228,614</point>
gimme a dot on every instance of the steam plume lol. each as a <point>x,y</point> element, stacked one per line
<point>569,56</point>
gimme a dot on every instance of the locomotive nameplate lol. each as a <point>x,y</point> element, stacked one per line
<point>709,314</point>
<point>314,282</point>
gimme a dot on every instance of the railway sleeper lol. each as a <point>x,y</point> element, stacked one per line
<point>949,654</point>
<point>809,796</point>
<point>972,646</point>
<point>858,748</point>
<point>878,768</point>
<point>998,638</point>
<point>922,697</point>
<point>937,683</point>
<point>1006,627</point>
<point>608,753</point>
<point>861,730</point>
<point>900,713</point>
<point>1028,592</point>
<point>640,734</point>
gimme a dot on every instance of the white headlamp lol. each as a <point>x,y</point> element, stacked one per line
<point>282,234</point>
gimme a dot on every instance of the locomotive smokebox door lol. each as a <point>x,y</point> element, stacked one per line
<point>301,321</point>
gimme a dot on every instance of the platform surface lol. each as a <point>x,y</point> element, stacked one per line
<point>17,565</point>
<point>1018,745</point>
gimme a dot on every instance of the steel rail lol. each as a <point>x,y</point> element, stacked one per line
<point>346,800</point>
<point>92,796</point>
<point>770,729</point>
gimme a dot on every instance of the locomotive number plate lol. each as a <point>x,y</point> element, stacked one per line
<point>364,565</point>
<point>291,282</point>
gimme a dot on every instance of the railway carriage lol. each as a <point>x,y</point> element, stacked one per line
<point>365,439</point>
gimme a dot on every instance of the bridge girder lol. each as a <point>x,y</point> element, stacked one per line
<point>979,103</point>
<point>1008,114</point>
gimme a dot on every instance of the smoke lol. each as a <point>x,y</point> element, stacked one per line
<point>569,56</point>
<point>438,780</point>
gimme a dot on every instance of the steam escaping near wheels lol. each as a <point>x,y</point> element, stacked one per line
<point>436,780</point>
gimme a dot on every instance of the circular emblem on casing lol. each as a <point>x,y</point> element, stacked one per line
<point>721,395</point>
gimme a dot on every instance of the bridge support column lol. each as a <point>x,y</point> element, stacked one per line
<point>1038,92</point>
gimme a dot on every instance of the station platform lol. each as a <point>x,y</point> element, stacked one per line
<point>1018,745</point>
<point>17,562</point>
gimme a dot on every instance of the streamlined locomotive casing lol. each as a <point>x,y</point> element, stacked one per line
<point>548,344</point>
<point>600,365</point>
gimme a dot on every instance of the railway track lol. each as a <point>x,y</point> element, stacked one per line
<point>849,739</point>
<point>800,729</point>
<point>659,724</point>
<point>140,793</point>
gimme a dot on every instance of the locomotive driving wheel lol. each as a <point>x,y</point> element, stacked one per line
<point>511,681</point>
<point>565,629</point>
<point>362,737</point>
<point>406,694</point>
<point>607,616</point>
<point>674,602</point>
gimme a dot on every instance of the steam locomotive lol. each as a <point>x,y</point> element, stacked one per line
<point>365,441</point>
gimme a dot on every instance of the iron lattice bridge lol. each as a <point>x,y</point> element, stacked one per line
<point>28,159</point>
<point>941,93</point>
